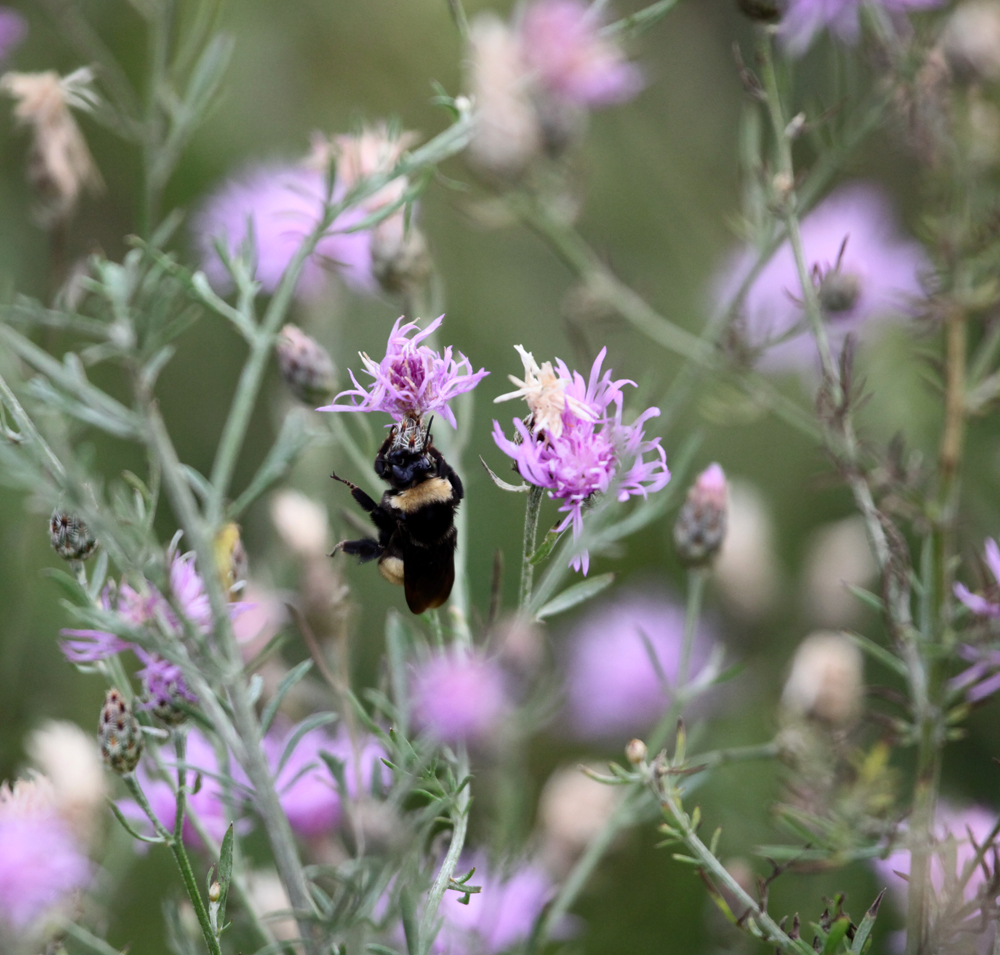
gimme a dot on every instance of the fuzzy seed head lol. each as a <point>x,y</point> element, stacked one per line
<point>700,528</point>
<point>119,734</point>
<point>69,536</point>
<point>305,365</point>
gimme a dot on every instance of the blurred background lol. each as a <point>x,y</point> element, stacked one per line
<point>659,186</point>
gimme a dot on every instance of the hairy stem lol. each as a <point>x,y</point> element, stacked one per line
<point>696,589</point>
<point>531,511</point>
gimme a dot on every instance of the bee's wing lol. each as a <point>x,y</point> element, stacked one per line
<point>429,573</point>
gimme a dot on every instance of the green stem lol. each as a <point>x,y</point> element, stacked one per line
<point>641,20</point>
<point>175,842</point>
<point>28,429</point>
<point>696,589</point>
<point>531,512</point>
<point>159,49</point>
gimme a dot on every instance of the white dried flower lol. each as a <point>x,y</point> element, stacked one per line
<point>301,523</point>
<point>971,40</point>
<point>60,166</point>
<point>71,762</point>
<point>746,569</point>
<point>838,556</point>
<point>826,681</point>
<point>545,394</point>
<point>507,133</point>
<point>572,809</point>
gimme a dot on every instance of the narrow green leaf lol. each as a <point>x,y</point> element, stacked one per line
<point>225,874</point>
<point>867,924</point>
<point>152,840</point>
<point>291,678</point>
<point>837,933</point>
<point>879,653</point>
<point>574,595</point>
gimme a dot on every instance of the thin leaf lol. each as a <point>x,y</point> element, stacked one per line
<point>866,926</point>
<point>502,484</point>
<point>577,594</point>
<point>314,721</point>
<point>879,653</point>
<point>291,678</point>
<point>152,840</point>
<point>225,873</point>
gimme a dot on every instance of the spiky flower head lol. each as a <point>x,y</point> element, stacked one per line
<point>305,366</point>
<point>595,449</point>
<point>700,528</point>
<point>119,734</point>
<point>60,167</point>
<point>69,536</point>
<point>570,58</point>
<point>413,379</point>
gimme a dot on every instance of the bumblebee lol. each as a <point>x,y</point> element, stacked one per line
<point>415,518</point>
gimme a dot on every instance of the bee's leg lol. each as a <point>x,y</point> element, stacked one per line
<point>445,470</point>
<point>365,549</point>
<point>363,499</point>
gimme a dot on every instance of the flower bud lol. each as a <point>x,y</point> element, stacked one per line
<point>214,892</point>
<point>765,11</point>
<point>305,366</point>
<point>70,537</point>
<point>826,680</point>
<point>700,528</point>
<point>119,734</point>
<point>635,751</point>
<point>231,560</point>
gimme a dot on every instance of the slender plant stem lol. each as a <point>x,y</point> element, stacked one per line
<point>160,28</point>
<point>51,462</point>
<point>175,842</point>
<point>696,589</point>
<point>641,20</point>
<point>531,511</point>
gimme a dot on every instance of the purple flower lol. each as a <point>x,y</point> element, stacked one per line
<point>412,379</point>
<point>207,802</point>
<point>13,30</point>
<point>459,697</point>
<point>40,866</point>
<point>805,18</point>
<point>982,606</point>
<point>592,450</point>
<point>571,61</point>
<point>497,918</point>
<point>613,688</point>
<point>862,268</point>
<point>955,851</point>
<point>281,205</point>
<point>307,789</point>
<point>163,683</point>
<point>91,645</point>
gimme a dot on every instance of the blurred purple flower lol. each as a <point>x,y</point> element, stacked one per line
<point>163,682</point>
<point>805,18</point>
<point>497,918</point>
<point>613,688</point>
<point>40,866</point>
<point>91,645</point>
<point>13,30</point>
<point>585,459</point>
<point>571,61</point>
<point>412,379</point>
<point>459,697</point>
<point>281,205</point>
<point>307,789</point>
<point>954,850</point>
<point>207,802</point>
<point>982,606</point>
<point>863,270</point>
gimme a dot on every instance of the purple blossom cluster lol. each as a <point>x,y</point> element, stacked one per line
<point>591,450</point>
<point>569,58</point>
<point>412,379</point>
<point>982,678</point>
<point>277,207</point>
<point>41,862</point>
<point>145,607</point>
<point>804,19</point>
<point>620,665</point>
<point>459,697</point>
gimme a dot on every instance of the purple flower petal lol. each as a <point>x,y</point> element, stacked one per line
<point>91,645</point>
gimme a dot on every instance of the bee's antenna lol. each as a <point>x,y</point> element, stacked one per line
<point>427,434</point>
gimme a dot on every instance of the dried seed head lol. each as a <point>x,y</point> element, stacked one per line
<point>60,167</point>
<point>306,366</point>
<point>826,681</point>
<point>70,537</point>
<point>700,528</point>
<point>119,734</point>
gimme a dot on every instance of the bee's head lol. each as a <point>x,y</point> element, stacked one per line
<point>406,462</point>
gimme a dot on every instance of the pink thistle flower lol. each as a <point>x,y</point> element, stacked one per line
<point>594,449</point>
<point>412,379</point>
<point>500,916</point>
<point>955,830</point>
<point>40,866</point>
<point>280,205</point>
<point>307,789</point>
<point>805,18</point>
<point>459,697</point>
<point>864,271</point>
<point>563,47</point>
<point>983,606</point>
<point>613,688</point>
